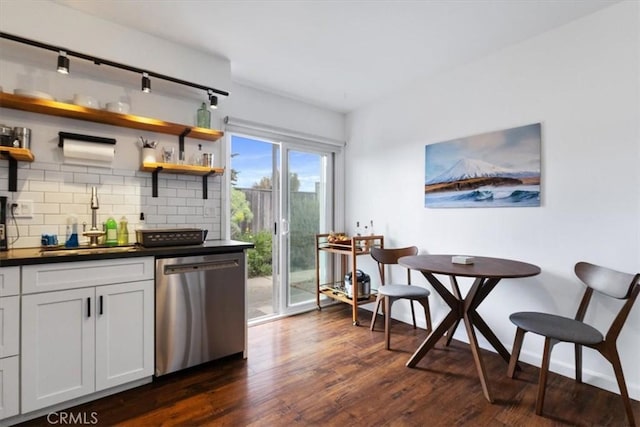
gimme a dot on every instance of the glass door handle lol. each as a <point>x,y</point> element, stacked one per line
<point>284,227</point>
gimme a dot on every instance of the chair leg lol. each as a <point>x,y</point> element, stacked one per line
<point>578,363</point>
<point>413,314</point>
<point>387,322</point>
<point>617,369</point>
<point>375,312</point>
<point>544,370</point>
<point>515,352</point>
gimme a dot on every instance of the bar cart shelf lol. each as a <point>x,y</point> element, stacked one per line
<point>344,251</point>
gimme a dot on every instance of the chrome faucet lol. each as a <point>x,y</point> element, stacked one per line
<point>94,233</point>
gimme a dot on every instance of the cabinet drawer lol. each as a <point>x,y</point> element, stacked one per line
<point>9,281</point>
<point>9,325</point>
<point>9,387</point>
<point>70,275</point>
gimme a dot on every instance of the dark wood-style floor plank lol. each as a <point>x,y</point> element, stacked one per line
<point>317,369</point>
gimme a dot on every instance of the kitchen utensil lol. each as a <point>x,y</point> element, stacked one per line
<point>149,155</point>
<point>22,137</point>
<point>6,136</point>
<point>364,284</point>
<point>207,160</point>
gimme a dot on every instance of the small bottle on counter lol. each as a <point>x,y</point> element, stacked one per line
<point>111,238</point>
<point>72,232</point>
<point>123,232</point>
<point>141,221</point>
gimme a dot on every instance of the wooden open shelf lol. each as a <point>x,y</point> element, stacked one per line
<point>180,169</point>
<point>13,155</point>
<point>72,111</point>
<point>341,253</point>
<point>339,295</point>
<point>155,168</point>
<point>20,154</point>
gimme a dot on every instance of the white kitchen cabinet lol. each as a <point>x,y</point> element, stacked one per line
<point>58,347</point>
<point>124,333</point>
<point>9,341</point>
<point>9,326</point>
<point>87,339</point>
<point>9,381</point>
<point>9,281</point>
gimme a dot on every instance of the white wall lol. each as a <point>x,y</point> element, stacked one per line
<point>581,81</point>
<point>258,106</point>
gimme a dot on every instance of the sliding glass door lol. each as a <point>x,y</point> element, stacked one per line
<point>280,198</point>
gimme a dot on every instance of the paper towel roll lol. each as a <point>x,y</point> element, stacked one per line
<point>92,153</point>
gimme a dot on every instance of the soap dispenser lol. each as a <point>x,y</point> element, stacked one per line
<point>123,232</point>
<point>111,238</point>
<point>72,232</point>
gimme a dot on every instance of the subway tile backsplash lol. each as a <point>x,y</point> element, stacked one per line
<point>58,190</point>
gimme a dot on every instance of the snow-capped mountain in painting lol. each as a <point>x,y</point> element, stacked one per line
<point>473,168</point>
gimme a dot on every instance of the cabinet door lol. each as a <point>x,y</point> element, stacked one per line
<point>9,281</point>
<point>9,387</point>
<point>9,326</point>
<point>58,347</point>
<point>124,333</point>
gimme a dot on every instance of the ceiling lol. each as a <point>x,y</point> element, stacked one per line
<point>341,54</point>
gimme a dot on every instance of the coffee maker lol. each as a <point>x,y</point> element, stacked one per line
<point>3,223</point>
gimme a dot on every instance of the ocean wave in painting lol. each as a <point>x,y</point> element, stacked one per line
<point>486,197</point>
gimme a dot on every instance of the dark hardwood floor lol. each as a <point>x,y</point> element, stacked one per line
<point>317,369</point>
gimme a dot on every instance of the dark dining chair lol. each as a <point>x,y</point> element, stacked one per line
<point>555,329</point>
<point>389,293</point>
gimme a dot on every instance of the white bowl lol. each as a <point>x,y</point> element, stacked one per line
<point>118,107</point>
<point>33,94</point>
<point>85,101</point>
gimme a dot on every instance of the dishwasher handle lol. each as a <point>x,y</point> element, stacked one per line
<point>200,266</point>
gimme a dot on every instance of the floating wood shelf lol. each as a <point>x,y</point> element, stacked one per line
<point>180,169</point>
<point>20,154</point>
<point>14,155</point>
<point>72,111</point>
<point>203,171</point>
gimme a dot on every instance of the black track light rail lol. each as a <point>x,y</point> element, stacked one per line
<point>101,61</point>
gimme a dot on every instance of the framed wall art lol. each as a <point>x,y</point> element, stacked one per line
<point>494,169</point>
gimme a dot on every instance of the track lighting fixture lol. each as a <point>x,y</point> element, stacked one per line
<point>63,67</point>
<point>63,63</point>
<point>213,100</point>
<point>146,83</point>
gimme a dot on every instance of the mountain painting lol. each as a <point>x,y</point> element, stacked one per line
<point>495,169</point>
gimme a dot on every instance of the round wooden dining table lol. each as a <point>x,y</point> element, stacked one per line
<point>487,273</point>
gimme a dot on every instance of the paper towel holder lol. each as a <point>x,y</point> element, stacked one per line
<point>79,137</point>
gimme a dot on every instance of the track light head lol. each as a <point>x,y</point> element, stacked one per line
<point>146,83</point>
<point>63,63</point>
<point>213,100</point>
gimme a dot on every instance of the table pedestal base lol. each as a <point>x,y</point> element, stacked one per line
<point>463,309</point>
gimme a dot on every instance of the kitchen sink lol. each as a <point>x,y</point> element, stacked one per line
<point>86,250</point>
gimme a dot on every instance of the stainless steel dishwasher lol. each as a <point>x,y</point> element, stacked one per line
<point>200,310</point>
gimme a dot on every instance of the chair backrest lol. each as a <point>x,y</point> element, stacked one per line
<point>612,283</point>
<point>605,280</point>
<point>390,256</point>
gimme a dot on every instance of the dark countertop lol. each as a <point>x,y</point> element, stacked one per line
<point>31,256</point>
